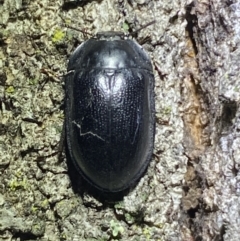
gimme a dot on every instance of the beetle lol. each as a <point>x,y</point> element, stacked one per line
<point>109,111</point>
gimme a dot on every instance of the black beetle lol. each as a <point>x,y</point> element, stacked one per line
<point>110,110</point>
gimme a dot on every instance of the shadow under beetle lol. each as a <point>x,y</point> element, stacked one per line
<point>110,111</point>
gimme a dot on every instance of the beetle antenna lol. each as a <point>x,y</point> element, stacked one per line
<point>77,29</point>
<point>144,26</point>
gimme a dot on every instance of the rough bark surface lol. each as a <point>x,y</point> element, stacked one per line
<point>191,190</point>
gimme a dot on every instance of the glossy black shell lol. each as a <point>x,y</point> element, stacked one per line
<point>110,111</point>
